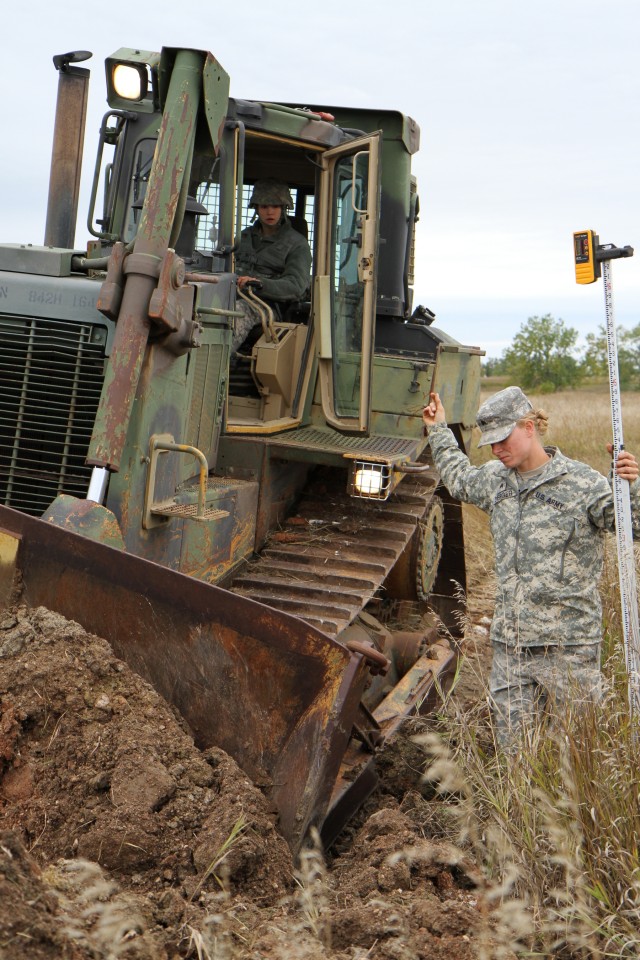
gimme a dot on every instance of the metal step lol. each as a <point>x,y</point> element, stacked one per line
<point>188,511</point>
<point>376,447</point>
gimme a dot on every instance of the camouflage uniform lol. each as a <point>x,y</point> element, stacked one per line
<point>548,534</point>
<point>282,261</point>
<point>525,680</point>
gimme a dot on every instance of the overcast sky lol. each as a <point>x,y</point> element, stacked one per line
<point>529,117</point>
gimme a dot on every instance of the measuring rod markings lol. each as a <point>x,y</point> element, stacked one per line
<point>591,260</point>
<point>622,507</point>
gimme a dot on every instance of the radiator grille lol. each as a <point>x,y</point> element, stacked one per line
<point>51,375</point>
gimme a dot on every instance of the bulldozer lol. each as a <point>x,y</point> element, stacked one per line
<point>243,529</point>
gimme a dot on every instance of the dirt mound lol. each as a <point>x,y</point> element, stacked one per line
<point>121,839</point>
<point>69,911</point>
<point>95,766</point>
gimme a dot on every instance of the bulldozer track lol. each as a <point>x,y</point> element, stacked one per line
<point>334,555</point>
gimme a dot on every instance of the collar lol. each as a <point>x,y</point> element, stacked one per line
<point>256,229</point>
<point>555,467</point>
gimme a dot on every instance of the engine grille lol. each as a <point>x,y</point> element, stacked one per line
<point>51,375</point>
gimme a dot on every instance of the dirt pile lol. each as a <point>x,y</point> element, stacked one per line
<point>120,839</point>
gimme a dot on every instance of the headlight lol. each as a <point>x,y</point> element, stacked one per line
<point>130,82</point>
<point>369,480</point>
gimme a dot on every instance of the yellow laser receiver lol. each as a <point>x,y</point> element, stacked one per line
<point>585,244</point>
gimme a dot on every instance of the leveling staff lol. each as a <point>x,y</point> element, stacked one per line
<point>548,516</point>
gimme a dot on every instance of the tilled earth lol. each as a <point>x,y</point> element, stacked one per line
<point>119,838</point>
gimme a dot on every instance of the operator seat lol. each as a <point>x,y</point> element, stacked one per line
<point>298,311</point>
<point>300,225</point>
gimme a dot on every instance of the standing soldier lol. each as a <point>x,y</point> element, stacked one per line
<point>548,516</point>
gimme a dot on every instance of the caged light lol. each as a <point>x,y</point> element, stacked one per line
<point>369,480</point>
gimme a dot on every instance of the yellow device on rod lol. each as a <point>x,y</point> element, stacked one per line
<point>590,255</point>
<point>585,245</point>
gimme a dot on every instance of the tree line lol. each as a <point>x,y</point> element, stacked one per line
<point>544,357</point>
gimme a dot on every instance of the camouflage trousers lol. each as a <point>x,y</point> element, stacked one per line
<point>526,682</point>
<point>242,326</point>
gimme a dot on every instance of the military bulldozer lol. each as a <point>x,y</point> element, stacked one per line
<point>238,528</point>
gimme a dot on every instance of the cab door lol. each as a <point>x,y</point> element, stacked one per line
<point>345,284</point>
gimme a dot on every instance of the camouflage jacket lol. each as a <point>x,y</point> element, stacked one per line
<point>548,537</point>
<point>282,261</point>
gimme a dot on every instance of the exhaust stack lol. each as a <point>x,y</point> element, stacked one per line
<point>66,154</point>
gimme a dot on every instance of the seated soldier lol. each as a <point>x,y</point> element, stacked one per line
<point>270,253</point>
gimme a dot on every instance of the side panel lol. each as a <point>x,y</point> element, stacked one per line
<point>457,380</point>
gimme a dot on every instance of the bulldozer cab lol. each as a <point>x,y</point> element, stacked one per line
<point>336,202</point>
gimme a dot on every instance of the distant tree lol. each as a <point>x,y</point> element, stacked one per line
<point>493,367</point>
<point>595,361</point>
<point>541,356</point>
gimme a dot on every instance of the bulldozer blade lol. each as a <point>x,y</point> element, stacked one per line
<point>272,691</point>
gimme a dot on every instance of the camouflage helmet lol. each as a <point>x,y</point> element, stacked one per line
<point>271,193</point>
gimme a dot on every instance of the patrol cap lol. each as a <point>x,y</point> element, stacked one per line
<point>498,415</point>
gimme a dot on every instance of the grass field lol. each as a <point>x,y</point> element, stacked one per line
<point>556,825</point>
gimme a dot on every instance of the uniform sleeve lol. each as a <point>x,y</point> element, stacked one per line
<point>462,480</point>
<point>294,282</point>
<point>601,508</point>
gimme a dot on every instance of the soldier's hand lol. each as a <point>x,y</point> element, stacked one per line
<point>434,411</point>
<point>243,281</point>
<point>626,464</point>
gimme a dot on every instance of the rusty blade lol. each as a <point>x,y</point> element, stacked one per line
<point>275,693</point>
<point>418,692</point>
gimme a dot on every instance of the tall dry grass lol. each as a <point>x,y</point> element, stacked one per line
<point>555,825</point>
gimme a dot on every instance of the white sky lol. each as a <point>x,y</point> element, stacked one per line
<point>529,117</point>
